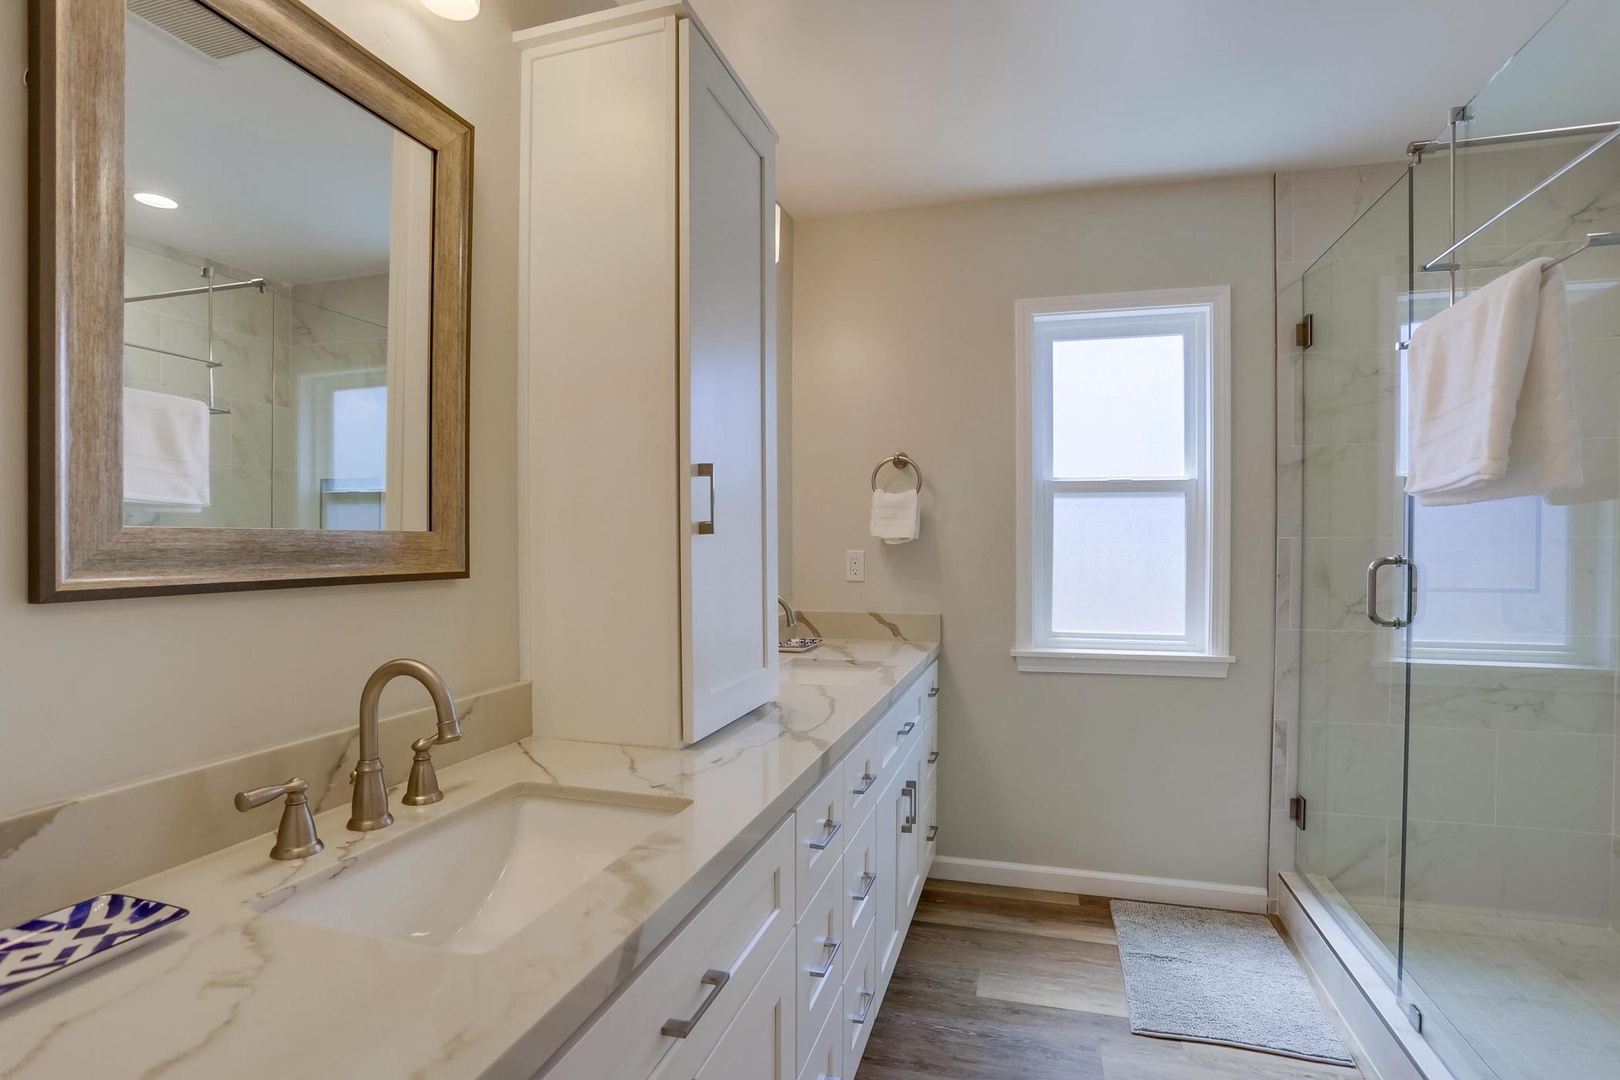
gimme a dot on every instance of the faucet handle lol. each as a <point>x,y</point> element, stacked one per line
<point>295,837</point>
<point>422,789</point>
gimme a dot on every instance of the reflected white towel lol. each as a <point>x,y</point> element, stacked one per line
<point>165,451</point>
<point>895,516</point>
<point>1491,402</point>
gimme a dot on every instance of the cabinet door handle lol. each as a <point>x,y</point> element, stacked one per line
<point>832,828</point>
<point>705,470</point>
<point>907,728</point>
<point>933,832</point>
<point>832,958</point>
<point>866,1007</point>
<point>868,879</point>
<point>933,691</point>
<point>933,756</point>
<point>910,792</point>
<point>867,780</point>
<point>680,1029</point>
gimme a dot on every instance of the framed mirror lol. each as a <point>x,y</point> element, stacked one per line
<point>250,291</point>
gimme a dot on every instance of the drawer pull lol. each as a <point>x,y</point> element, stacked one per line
<point>910,792</point>
<point>867,780</point>
<point>933,691</point>
<point>933,756</point>
<point>868,879</point>
<point>866,1008</point>
<point>933,831</point>
<point>680,1029</point>
<point>908,727</point>
<point>832,828</point>
<point>832,958</point>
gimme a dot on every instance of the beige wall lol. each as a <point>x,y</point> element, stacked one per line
<point>903,339</point>
<point>94,694</point>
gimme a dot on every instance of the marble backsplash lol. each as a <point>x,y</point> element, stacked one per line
<point>54,855</point>
<point>869,625</point>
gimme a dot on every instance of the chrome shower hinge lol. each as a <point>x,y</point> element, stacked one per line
<point>1296,811</point>
<point>1305,332</point>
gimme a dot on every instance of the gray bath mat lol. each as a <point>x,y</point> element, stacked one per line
<point>1219,977</point>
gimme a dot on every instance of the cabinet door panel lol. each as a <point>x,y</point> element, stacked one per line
<point>728,394</point>
<point>759,1043</point>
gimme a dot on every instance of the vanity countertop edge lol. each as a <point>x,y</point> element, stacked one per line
<point>242,993</point>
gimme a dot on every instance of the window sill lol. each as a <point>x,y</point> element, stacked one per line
<point>1109,662</point>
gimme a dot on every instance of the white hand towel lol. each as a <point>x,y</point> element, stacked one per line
<point>1491,402</point>
<point>165,451</point>
<point>894,516</point>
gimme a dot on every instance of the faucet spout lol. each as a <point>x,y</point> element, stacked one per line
<point>369,809</point>
<point>788,612</point>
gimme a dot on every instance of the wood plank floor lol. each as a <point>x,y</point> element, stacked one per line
<point>1009,984</point>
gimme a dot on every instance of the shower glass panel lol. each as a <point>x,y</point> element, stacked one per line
<point>1353,672</point>
<point>1460,772</point>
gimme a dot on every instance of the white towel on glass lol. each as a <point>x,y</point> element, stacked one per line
<point>165,452</point>
<point>894,516</point>
<point>1491,396</point>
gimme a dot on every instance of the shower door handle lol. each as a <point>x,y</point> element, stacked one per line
<point>1411,591</point>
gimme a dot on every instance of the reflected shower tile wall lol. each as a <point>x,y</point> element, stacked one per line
<point>239,442</point>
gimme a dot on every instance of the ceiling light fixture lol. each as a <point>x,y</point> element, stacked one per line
<point>459,10</point>
<point>162,202</point>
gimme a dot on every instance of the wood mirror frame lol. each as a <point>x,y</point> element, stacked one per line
<point>79,547</point>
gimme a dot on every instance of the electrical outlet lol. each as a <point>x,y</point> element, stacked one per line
<point>854,566</point>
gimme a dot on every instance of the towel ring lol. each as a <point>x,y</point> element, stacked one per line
<point>899,461</point>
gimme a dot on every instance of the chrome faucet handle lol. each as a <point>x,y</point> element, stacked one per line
<point>422,789</point>
<point>295,837</point>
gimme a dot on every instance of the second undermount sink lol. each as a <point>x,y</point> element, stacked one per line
<point>829,670</point>
<point>470,881</point>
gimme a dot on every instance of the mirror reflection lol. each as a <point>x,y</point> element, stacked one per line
<point>276,282</point>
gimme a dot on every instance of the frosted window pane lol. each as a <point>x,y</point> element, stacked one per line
<point>1119,564</point>
<point>1118,408</point>
<point>360,436</point>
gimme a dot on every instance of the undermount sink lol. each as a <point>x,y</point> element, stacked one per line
<point>470,881</point>
<point>829,671</point>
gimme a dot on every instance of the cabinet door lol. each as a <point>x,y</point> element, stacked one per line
<point>759,1044</point>
<point>904,809</point>
<point>728,393</point>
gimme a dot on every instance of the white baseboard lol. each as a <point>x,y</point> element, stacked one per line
<point>1210,894</point>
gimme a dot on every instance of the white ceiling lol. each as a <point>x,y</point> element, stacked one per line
<point>884,103</point>
<point>276,173</point>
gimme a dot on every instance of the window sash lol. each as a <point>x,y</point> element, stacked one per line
<point>1194,325</point>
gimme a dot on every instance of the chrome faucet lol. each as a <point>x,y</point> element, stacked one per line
<point>370,807</point>
<point>787,610</point>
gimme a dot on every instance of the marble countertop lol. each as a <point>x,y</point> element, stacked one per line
<point>234,993</point>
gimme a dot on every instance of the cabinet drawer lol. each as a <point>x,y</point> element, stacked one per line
<point>860,1001</point>
<point>734,936</point>
<point>827,1052</point>
<point>930,749</point>
<point>861,878</point>
<point>865,773</point>
<point>821,960</point>
<point>759,1043</point>
<point>900,725</point>
<point>820,822</point>
<point>930,691</point>
<point>928,842</point>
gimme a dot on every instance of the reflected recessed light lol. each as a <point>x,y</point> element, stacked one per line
<point>459,10</point>
<point>162,202</point>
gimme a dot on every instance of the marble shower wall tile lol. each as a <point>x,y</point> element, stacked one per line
<point>1556,781</point>
<point>54,855</point>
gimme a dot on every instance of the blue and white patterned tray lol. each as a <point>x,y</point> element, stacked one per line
<point>41,951</point>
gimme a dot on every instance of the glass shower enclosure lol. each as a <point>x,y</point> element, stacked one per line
<point>1457,744</point>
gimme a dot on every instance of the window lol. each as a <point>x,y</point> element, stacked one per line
<point>1523,582</point>
<point>1123,513</point>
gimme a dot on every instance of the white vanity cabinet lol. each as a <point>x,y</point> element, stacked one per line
<point>782,971</point>
<point>648,448</point>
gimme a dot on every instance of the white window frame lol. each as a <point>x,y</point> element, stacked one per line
<point>1203,652</point>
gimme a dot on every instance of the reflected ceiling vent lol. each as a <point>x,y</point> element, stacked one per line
<point>195,25</point>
